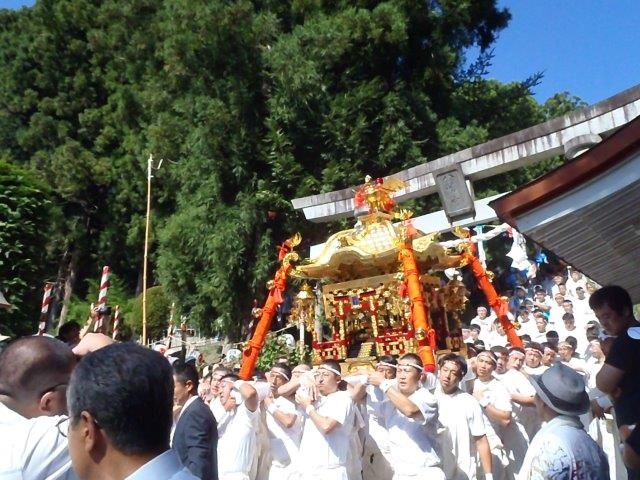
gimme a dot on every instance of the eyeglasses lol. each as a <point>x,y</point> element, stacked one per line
<point>64,424</point>
<point>64,431</point>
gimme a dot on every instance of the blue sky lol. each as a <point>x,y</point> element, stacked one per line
<point>590,48</point>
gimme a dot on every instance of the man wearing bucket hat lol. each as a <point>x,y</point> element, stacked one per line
<point>562,449</point>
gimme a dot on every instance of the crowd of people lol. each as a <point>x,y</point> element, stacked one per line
<point>561,408</point>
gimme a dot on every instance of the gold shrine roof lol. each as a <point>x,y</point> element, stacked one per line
<point>371,248</point>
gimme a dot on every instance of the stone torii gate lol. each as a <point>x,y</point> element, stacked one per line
<point>568,135</point>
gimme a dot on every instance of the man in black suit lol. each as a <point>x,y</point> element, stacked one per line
<point>195,436</point>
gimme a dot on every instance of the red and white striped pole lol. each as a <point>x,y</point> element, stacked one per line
<point>44,309</point>
<point>102,297</point>
<point>104,286</point>
<point>116,322</point>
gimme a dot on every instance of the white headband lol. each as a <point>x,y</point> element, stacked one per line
<point>387,364</point>
<point>332,370</point>
<point>411,364</point>
<point>283,375</point>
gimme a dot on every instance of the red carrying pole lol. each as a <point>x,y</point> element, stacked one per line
<point>498,303</point>
<point>275,298</point>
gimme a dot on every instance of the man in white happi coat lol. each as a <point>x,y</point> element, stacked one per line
<point>533,359</point>
<point>463,441</point>
<point>411,415</point>
<point>495,401</point>
<point>485,321</point>
<point>215,389</point>
<point>284,424</point>
<point>237,433</point>
<point>376,458</point>
<point>516,440</point>
<point>325,445</point>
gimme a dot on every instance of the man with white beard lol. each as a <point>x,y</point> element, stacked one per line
<point>464,438</point>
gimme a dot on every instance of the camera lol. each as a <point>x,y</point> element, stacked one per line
<point>104,310</point>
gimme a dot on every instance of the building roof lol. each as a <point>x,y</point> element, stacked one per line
<point>588,210</point>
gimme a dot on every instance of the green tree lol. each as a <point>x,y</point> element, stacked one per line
<point>250,103</point>
<point>26,214</point>
<point>158,311</point>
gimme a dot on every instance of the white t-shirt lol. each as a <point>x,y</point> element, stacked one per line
<point>527,415</point>
<point>376,429</point>
<point>528,327</point>
<point>524,419</point>
<point>237,443</point>
<point>497,396</point>
<point>412,441</point>
<point>319,451</point>
<point>496,339</point>
<point>33,448</point>
<point>486,325</point>
<point>284,442</point>
<point>539,370</point>
<point>462,417</point>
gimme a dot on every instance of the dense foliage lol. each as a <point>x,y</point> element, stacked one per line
<point>250,104</point>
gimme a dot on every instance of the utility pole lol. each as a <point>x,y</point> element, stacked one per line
<point>146,247</point>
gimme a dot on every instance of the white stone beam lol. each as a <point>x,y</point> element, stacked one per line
<point>494,157</point>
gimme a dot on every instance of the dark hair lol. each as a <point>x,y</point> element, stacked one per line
<point>233,376</point>
<point>457,359</point>
<point>516,349</point>
<point>536,346</point>
<point>67,328</point>
<point>475,326</point>
<point>573,341</point>
<point>525,337</point>
<point>186,371</point>
<point>499,349</point>
<point>414,357</point>
<point>129,391</point>
<point>568,317</point>
<point>284,367</point>
<point>220,368</point>
<point>332,364</point>
<point>613,296</point>
<point>388,359</point>
<point>550,346</point>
